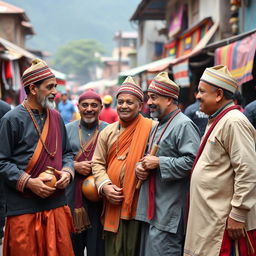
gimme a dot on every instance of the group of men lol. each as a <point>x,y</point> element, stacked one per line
<point>142,169</point>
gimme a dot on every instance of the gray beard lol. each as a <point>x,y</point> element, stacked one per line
<point>46,103</point>
<point>89,121</point>
<point>155,114</point>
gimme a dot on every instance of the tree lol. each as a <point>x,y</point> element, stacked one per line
<point>79,57</point>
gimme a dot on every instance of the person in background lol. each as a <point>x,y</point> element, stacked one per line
<point>198,117</point>
<point>4,108</point>
<point>108,114</point>
<point>83,135</point>
<point>34,139</point>
<point>66,108</point>
<point>223,182</point>
<point>120,146</point>
<point>163,195</point>
<point>250,112</point>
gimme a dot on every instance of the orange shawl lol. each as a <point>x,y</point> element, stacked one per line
<point>133,140</point>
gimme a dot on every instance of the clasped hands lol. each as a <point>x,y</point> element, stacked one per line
<point>38,187</point>
<point>145,165</point>
<point>84,167</point>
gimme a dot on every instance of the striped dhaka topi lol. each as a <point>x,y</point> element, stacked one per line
<point>130,87</point>
<point>163,85</point>
<point>36,72</point>
<point>219,76</point>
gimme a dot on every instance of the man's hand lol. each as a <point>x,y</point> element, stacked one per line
<point>83,167</point>
<point>150,162</point>
<point>64,179</point>
<point>113,193</point>
<point>141,173</point>
<point>236,229</point>
<point>37,186</point>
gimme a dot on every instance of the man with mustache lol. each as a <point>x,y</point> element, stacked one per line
<point>120,146</point>
<point>162,200</point>
<point>223,182</point>
<point>34,139</point>
<point>83,135</point>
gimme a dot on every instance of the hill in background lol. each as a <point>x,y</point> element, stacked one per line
<point>57,22</point>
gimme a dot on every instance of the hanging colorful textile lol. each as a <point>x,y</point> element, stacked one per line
<point>188,40</point>
<point>180,73</point>
<point>176,23</point>
<point>238,57</point>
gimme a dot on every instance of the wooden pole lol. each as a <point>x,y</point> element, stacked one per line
<point>152,153</point>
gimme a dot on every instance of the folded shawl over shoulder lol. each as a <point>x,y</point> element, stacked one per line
<point>133,140</point>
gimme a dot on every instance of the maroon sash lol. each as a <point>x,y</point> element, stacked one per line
<point>152,177</point>
<point>217,119</point>
<point>51,136</point>
<point>81,219</point>
<point>84,154</point>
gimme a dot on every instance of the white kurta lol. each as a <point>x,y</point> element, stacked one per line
<point>223,184</point>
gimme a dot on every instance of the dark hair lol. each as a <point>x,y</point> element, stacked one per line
<point>175,101</point>
<point>37,84</point>
<point>228,95</point>
<point>238,97</point>
<point>107,105</point>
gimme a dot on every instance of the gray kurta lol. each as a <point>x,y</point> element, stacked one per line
<point>72,131</point>
<point>177,151</point>
<point>92,237</point>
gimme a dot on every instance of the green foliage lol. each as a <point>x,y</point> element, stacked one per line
<point>78,57</point>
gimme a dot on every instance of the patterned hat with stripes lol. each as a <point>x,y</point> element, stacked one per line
<point>164,86</point>
<point>219,76</point>
<point>130,87</point>
<point>36,72</point>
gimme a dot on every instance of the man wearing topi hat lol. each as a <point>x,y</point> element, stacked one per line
<point>34,139</point>
<point>120,146</point>
<point>83,135</point>
<point>223,182</point>
<point>162,200</point>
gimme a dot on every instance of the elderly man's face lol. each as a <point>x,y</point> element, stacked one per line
<point>89,110</point>
<point>46,92</point>
<point>158,105</point>
<point>208,97</point>
<point>128,107</point>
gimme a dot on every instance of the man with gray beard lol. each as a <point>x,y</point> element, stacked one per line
<point>162,199</point>
<point>34,140</point>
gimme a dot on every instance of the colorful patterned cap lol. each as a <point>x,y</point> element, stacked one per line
<point>36,72</point>
<point>89,94</point>
<point>164,86</point>
<point>219,76</point>
<point>130,87</point>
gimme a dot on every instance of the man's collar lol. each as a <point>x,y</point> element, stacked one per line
<point>220,109</point>
<point>167,117</point>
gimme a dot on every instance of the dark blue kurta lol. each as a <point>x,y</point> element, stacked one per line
<point>19,138</point>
